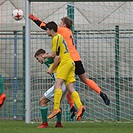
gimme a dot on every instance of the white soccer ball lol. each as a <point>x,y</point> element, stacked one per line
<point>17,14</point>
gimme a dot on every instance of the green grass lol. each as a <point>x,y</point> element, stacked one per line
<point>69,127</point>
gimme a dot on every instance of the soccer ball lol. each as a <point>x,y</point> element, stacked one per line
<point>17,14</point>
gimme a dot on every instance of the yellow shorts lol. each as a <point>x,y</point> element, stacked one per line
<point>66,71</point>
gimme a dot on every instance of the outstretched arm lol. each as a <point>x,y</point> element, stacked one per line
<point>38,22</point>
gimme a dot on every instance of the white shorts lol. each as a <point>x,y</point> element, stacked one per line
<point>49,94</point>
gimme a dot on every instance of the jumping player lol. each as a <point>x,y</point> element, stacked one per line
<point>65,71</point>
<point>64,30</point>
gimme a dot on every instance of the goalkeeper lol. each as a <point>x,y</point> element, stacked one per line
<point>49,94</point>
<point>64,30</point>
<point>2,94</point>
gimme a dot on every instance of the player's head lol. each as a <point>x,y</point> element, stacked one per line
<point>39,55</point>
<point>51,28</point>
<point>66,22</point>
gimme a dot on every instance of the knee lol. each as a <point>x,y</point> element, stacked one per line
<point>42,102</point>
<point>83,77</point>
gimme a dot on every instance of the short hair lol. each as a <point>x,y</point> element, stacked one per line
<point>39,51</point>
<point>68,21</point>
<point>52,25</point>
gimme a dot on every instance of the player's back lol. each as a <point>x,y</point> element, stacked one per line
<point>68,36</point>
<point>60,47</point>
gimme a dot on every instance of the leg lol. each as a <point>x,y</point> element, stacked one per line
<point>70,100</point>
<point>2,94</point>
<point>64,91</point>
<point>48,96</point>
<point>80,71</point>
<point>58,123</point>
<point>44,111</point>
<point>57,97</point>
<point>77,101</point>
<point>58,93</point>
<point>1,85</point>
<point>95,87</point>
<point>74,94</point>
<point>89,82</point>
<point>70,87</point>
<point>64,71</point>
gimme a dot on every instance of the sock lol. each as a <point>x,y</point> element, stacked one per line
<point>70,99</point>
<point>58,116</point>
<point>57,98</point>
<point>93,85</point>
<point>44,111</point>
<point>76,99</point>
<point>1,85</point>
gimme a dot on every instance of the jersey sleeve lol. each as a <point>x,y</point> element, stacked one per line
<point>40,23</point>
<point>48,62</point>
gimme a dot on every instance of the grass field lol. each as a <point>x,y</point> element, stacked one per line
<point>68,127</point>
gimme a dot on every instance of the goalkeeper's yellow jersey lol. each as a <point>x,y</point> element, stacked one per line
<point>60,47</point>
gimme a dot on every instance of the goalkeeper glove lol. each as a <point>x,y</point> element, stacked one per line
<point>32,17</point>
